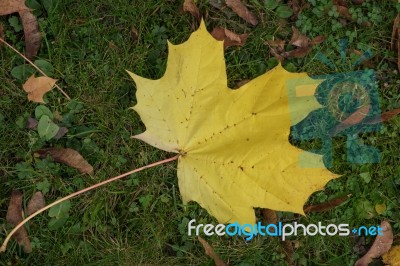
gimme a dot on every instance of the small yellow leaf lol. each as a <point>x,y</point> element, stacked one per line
<point>37,87</point>
<point>380,208</point>
<point>392,258</point>
<point>235,152</point>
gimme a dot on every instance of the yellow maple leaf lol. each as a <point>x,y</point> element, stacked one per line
<point>234,147</point>
<point>392,257</point>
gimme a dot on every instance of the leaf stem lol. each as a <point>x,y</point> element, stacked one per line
<point>38,69</point>
<point>4,245</point>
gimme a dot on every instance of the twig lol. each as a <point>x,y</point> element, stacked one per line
<point>38,69</point>
<point>4,245</point>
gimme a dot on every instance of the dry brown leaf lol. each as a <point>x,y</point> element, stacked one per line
<point>277,43</point>
<point>277,55</point>
<point>297,53</point>
<point>37,87</point>
<point>239,8</point>
<point>344,12</point>
<point>277,47</point>
<point>351,120</point>
<point>211,253</point>
<point>190,6</point>
<point>326,206</point>
<point>221,5</point>
<point>303,44</point>
<point>230,38</point>
<point>297,6</point>
<point>218,33</point>
<point>12,6</point>
<point>299,39</point>
<point>14,217</point>
<point>233,36</point>
<point>377,119</point>
<point>386,116</point>
<point>35,203</point>
<point>32,34</point>
<point>69,157</point>
<point>33,37</point>
<point>317,40</point>
<point>269,216</point>
<point>392,257</point>
<point>357,116</point>
<point>395,33</point>
<point>381,245</point>
<point>287,246</point>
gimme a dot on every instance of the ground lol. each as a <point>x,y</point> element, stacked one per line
<point>141,219</point>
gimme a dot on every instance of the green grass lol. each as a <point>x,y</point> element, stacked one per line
<point>141,219</point>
